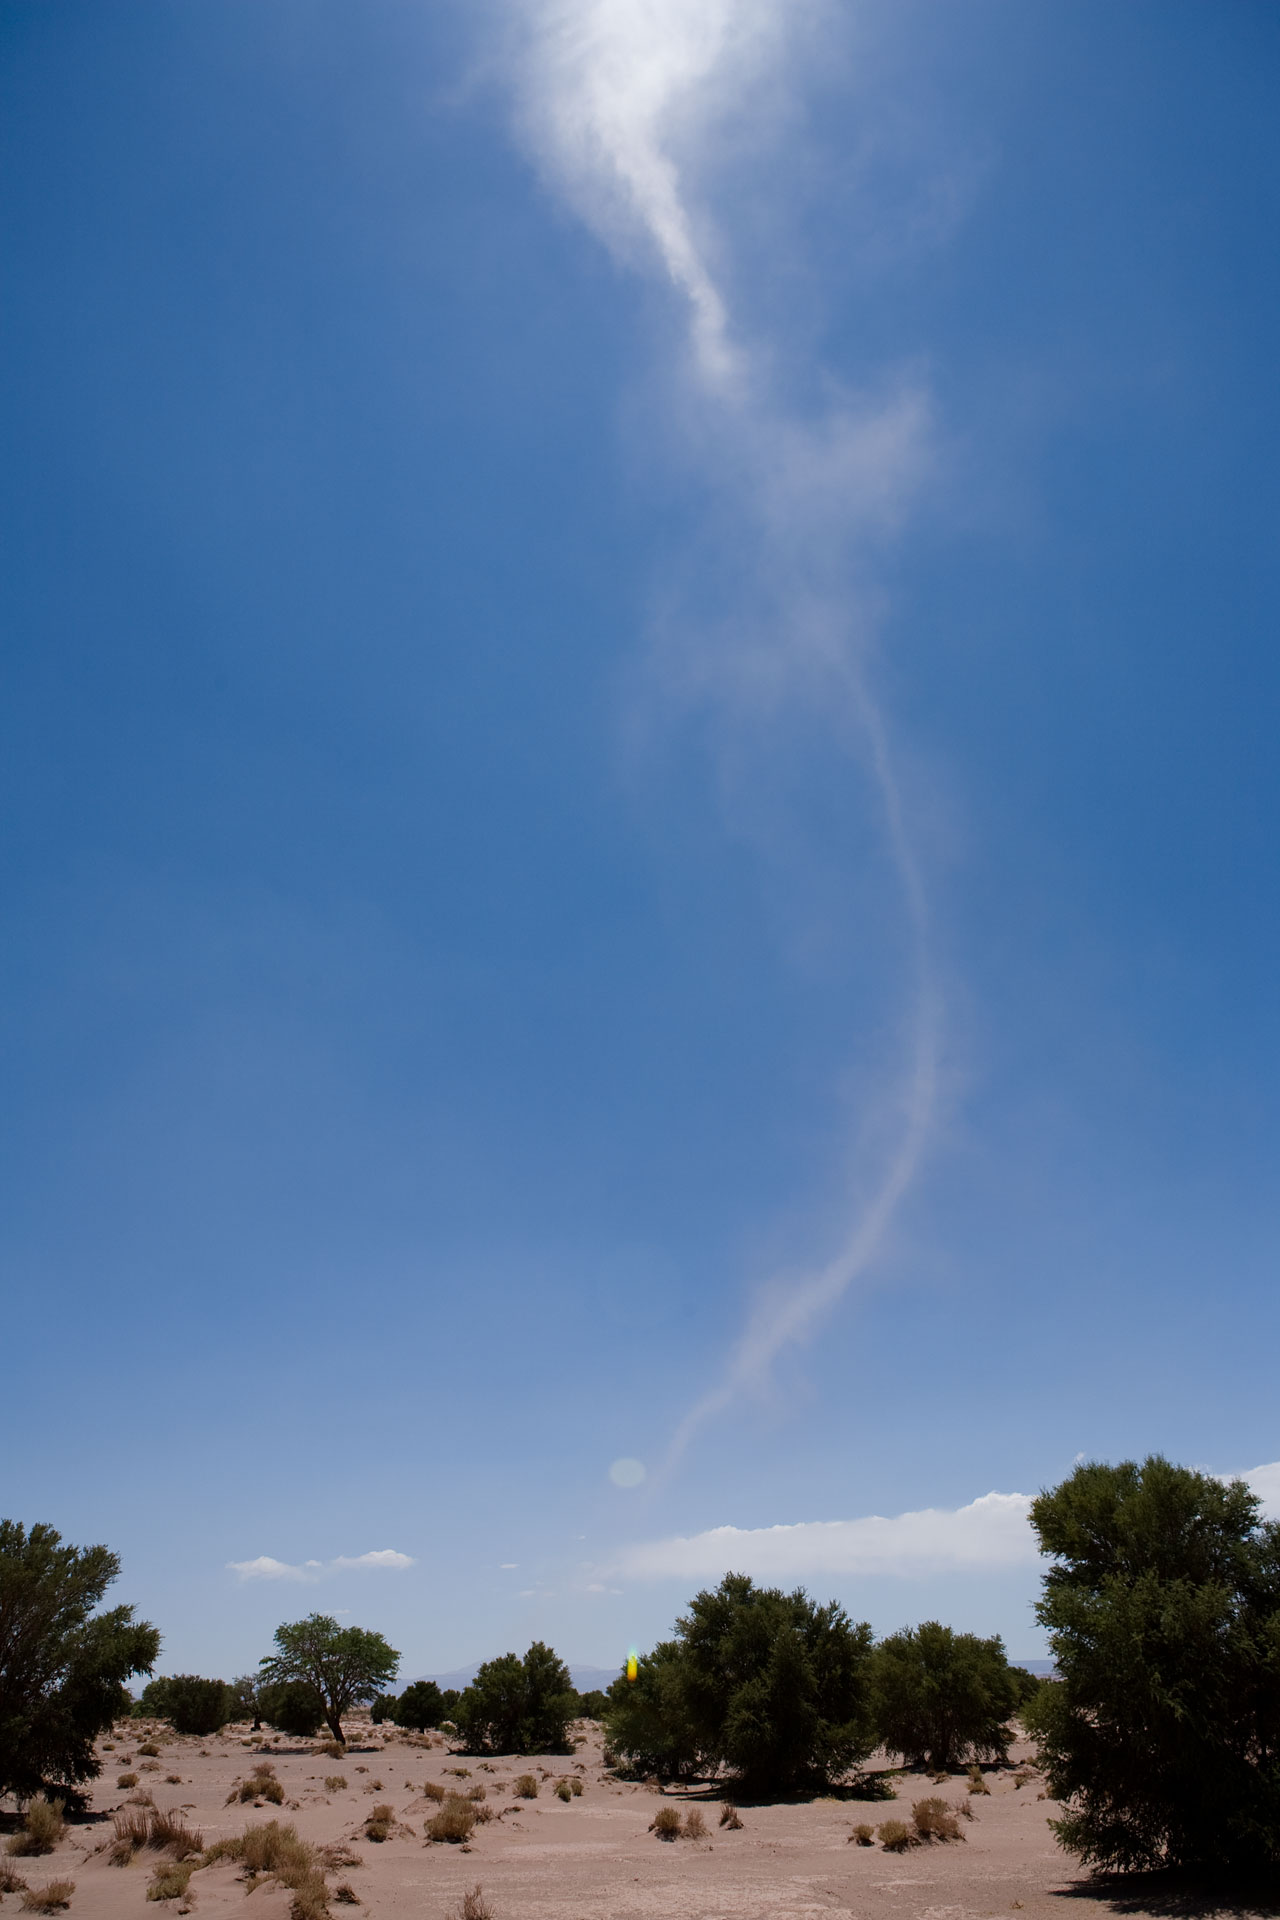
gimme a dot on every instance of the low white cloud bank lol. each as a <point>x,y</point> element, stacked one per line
<point>265,1568</point>
<point>990,1532</point>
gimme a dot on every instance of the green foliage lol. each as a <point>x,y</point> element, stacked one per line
<point>62,1665</point>
<point>382,1708</point>
<point>1162,1733</point>
<point>647,1719</point>
<point>592,1705</point>
<point>188,1703</point>
<point>518,1706</point>
<point>768,1684</point>
<point>243,1693</point>
<point>1026,1686</point>
<point>293,1707</point>
<point>942,1696</point>
<point>342,1665</point>
<point>420,1706</point>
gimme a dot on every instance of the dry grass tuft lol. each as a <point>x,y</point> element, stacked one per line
<point>42,1828</point>
<point>896,1836</point>
<point>338,1855</point>
<point>170,1881</point>
<point>125,1781</point>
<point>976,1782</point>
<point>379,1824</point>
<point>564,1791</point>
<point>478,1792</point>
<point>935,1820</point>
<point>455,1820</point>
<point>334,1749</point>
<point>863,1835</point>
<point>434,1791</point>
<point>51,1898</point>
<point>173,1779</point>
<point>526,1787</point>
<point>11,1881</point>
<point>695,1827</point>
<point>345,1894</point>
<point>729,1817</point>
<point>483,1816</point>
<point>666,1823</point>
<point>150,1750</point>
<point>473,1906</point>
<point>335,1783</point>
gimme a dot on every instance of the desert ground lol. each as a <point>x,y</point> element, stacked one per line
<point>591,1856</point>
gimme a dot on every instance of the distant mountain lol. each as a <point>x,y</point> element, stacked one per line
<point>585,1679</point>
<point>1045,1668</point>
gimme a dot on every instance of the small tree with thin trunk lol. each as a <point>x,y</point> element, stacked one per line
<point>344,1665</point>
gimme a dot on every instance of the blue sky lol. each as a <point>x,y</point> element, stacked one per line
<point>639,796</point>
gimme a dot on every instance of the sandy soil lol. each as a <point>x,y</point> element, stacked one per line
<point>593,1857</point>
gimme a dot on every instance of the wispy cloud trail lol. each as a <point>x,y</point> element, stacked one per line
<point>617,103</point>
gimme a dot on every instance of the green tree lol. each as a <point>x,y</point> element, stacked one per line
<point>1161,1734</point>
<point>942,1697</point>
<point>290,1706</point>
<point>518,1706</point>
<point>592,1704</point>
<point>420,1706</point>
<point>62,1665</point>
<point>647,1720</point>
<point>343,1665</point>
<point>768,1684</point>
<point>189,1703</point>
<point>244,1699</point>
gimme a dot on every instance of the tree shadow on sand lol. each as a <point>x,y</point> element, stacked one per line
<point>1175,1896</point>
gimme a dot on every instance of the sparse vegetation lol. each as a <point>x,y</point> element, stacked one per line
<point>473,1906</point>
<point>11,1881</point>
<point>729,1817</point>
<point>42,1828</point>
<point>380,1822</point>
<point>977,1783</point>
<point>526,1786</point>
<point>145,1826</point>
<point>935,1820</point>
<point>896,1836</point>
<point>53,1897</point>
<point>277,1850</point>
<point>335,1783</point>
<point>149,1750</point>
<point>863,1834</point>
<point>666,1823</point>
<point>171,1880</point>
<point>563,1790</point>
<point>455,1820</point>
<point>695,1826</point>
<point>434,1791</point>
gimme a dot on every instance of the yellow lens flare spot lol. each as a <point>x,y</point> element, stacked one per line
<point>633,1665</point>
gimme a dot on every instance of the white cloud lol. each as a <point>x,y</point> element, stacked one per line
<point>266,1568</point>
<point>1265,1482</point>
<point>990,1532</point>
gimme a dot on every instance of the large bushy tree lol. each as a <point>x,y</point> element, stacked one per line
<point>518,1706</point>
<point>767,1684</point>
<point>942,1697</point>
<point>420,1706</point>
<point>1161,1734</point>
<point>189,1703</point>
<point>343,1666</point>
<point>62,1664</point>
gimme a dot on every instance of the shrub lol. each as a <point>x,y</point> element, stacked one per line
<point>63,1663</point>
<point>42,1828</point>
<point>51,1898</point>
<point>864,1835</point>
<point>343,1666</point>
<point>170,1882</point>
<point>563,1790</point>
<point>11,1881</point>
<point>150,1750</point>
<point>473,1906</point>
<point>518,1706</point>
<point>379,1823</point>
<point>941,1696</point>
<point>478,1792</point>
<point>976,1782</point>
<point>695,1827</point>
<point>484,1815</point>
<point>666,1823</point>
<point>593,1705</point>
<point>526,1786</point>
<point>173,1779</point>
<point>189,1703</point>
<point>575,1786</point>
<point>935,1820</point>
<point>455,1820</point>
<point>433,1790</point>
<point>1162,1730</point>
<point>335,1783</point>
<point>769,1685</point>
<point>896,1836</point>
<point>729,1817</point>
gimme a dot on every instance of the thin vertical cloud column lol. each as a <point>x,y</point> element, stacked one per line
<point>617,103</point>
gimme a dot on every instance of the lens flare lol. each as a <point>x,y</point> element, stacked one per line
<point>633,1665</point>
